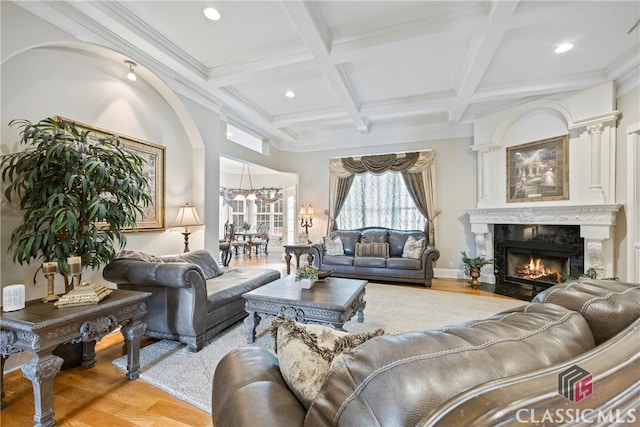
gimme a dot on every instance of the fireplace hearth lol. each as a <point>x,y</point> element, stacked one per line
<point>531,258</point>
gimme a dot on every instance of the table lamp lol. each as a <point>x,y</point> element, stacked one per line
<point>187,217</point>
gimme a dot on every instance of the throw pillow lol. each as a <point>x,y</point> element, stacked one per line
<point>334,246</point>
<point>138,256</point>
<point>413,248</point>
<point>209,266</point>
<point>306,352</point>
<point>372,249</point>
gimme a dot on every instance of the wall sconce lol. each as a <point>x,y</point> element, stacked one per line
<point>306,217</point>
<point>187,217</point>
<point>131,75</point>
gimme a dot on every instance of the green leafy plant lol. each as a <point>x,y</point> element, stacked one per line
<point>477,262</point>
<point>77,194</point>
<point>246,226</point>
<point>307,272</point>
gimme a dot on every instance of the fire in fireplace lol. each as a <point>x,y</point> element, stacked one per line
<point>527,261</point>
<point>531,258</point>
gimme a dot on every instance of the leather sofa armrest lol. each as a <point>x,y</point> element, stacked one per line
<point>318,253</point>
<point>248,390</point>
<point>430,253</point>
<point>143,273</point>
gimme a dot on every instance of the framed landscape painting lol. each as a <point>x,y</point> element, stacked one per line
<point>153,168</point>
<point>538,171</point>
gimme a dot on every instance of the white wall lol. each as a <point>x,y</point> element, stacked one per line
<point>628,166</point>
<point>456,175</point>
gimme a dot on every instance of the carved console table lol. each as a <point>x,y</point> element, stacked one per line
<point>297,250</point>
<point>39,328</point>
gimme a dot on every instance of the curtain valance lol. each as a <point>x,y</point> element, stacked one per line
<point>379,164</point>
<point>418,171</point>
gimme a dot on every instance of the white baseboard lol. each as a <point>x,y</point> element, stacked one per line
<point>449,273</point>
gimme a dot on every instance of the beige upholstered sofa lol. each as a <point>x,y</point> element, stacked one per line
<point>573,352</point>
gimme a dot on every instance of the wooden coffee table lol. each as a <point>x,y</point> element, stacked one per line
<point>331,302</point>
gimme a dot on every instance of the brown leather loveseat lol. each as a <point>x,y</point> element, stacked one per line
<point>572,354</point>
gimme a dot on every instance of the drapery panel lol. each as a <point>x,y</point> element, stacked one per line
<point>419,173</point>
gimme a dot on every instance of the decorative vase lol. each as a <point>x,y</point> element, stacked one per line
<point>305,283</point>
<point>474,272</point>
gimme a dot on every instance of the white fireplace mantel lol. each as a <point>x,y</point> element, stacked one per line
<point>555,215</point>
<point>596,227</point>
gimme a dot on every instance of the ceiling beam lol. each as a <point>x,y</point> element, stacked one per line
<point>480,54</point>
<point>317,37</point>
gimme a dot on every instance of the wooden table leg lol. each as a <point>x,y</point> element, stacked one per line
<point>287,259</point>
<point>132,333</point>
<point>251,322</point>
<point>41,370</point>
<point>88,354</point>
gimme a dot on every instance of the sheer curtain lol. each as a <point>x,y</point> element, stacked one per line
<point>417,169</point>
<point>381,200</point>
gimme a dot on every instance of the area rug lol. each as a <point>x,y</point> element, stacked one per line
<point>171,367</point>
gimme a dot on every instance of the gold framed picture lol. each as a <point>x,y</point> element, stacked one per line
<point>538,171</point>
<point>153,168</point>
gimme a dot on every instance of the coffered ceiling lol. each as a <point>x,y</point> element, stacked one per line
<point>364,72</point>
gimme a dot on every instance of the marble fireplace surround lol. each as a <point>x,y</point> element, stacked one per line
<point>596,223</point>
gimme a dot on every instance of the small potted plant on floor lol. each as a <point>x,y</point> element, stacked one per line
<point>472,267</point>
<point>306,275</point>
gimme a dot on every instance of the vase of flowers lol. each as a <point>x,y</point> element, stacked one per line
<point>306,276</point>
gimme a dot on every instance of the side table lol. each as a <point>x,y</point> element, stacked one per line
<point>297,250</point>
<point>39,328</point>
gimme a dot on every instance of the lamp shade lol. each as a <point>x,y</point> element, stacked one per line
<point>187,217</point>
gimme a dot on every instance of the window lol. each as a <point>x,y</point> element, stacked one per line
<point>263,214</point>
<point>380,200</point>
<point>270,214</point>
<point>237,213</point>
<point>278,218</point>
<point>243,138</point>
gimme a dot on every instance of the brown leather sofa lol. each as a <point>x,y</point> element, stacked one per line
<point>395,267</point>
<point>570,355</point>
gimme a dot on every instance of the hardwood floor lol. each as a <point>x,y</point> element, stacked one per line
<point>102,396</point>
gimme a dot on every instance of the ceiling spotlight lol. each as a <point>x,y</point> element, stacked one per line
<point>211,13</point>
<point>131,75</point>
<point>290,94</point>
<point>564,47</point>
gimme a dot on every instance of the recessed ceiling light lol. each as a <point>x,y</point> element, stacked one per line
<point>212,13</point>
<point>290,94</point>
<point>564,47</point>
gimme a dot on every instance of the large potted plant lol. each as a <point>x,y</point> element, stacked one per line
<point>77,194</point>
<point>472,267</point>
